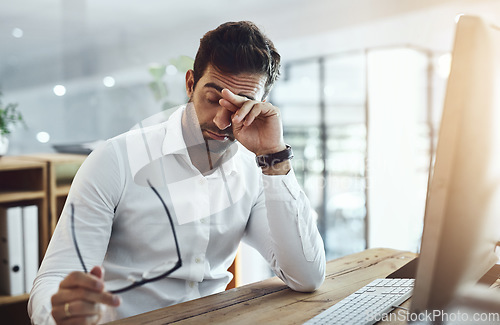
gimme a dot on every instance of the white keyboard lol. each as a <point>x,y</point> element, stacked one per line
<point>368,304</point>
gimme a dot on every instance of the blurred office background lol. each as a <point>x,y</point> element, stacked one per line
<point>361,90</point>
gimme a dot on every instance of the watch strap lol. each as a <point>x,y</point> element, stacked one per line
<point>274,158</point>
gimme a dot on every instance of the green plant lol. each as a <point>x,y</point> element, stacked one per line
<point>9,117</point>
<point>158,86</point>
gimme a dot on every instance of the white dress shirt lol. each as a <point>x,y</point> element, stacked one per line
<point>121,225</point>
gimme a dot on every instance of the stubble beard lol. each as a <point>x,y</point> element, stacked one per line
<point>217,146</point>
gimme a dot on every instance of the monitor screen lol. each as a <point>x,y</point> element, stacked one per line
<point>462,217</point>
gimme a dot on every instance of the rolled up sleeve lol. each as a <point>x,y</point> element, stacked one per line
<point>283,228</point>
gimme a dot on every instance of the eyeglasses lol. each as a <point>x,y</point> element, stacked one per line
<point>154,274</point>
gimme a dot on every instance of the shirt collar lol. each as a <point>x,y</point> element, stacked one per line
<point>173,142</point>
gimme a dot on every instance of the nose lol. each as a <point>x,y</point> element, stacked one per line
<point>223,118</point>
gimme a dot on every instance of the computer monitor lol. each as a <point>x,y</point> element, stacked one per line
<point>462,216</point>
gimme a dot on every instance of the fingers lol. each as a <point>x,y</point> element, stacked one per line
<point>81,307</point>
<point>248,112</point>
<point>80,279</point>
<point>81,298</point>
<point>98,272</point>
<point>77,312</point>
<point>245,110</point>
<point>81,294</point>
<point>232,98</point>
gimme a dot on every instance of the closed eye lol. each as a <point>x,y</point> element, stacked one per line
<point>213,99</point>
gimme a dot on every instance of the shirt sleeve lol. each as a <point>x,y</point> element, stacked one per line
<point>282,228</point>
<point>94,193</point>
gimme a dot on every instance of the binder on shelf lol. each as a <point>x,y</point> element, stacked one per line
<point>30,238</point>
<point>11,251</point>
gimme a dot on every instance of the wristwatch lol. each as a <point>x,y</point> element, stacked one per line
<point>274,158</point>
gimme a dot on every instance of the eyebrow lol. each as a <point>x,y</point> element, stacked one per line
<point>219,89</point>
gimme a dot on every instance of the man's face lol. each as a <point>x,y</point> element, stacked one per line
<point>215,121</point>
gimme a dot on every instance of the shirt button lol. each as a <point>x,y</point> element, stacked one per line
<point>202,181</point>
<point>191,284</point>
<point>198,260</point>
<point>203,220</point>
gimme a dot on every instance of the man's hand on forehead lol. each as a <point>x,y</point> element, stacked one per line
<point>244,109</point>
<point>231,101</point>
<point>256,125</point>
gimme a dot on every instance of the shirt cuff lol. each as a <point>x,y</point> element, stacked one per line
<point>281,187</point>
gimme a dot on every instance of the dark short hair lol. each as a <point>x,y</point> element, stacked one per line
<point>238,47</point>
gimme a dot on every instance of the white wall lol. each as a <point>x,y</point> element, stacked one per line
<point>430,28</point>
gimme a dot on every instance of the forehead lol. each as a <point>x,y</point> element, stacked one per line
<point>248,84</point>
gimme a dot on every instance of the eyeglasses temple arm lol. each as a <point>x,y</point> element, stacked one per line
<point>74,238</point>
<point>171,222</point>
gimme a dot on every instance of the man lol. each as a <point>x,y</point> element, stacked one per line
<point>201,160</point>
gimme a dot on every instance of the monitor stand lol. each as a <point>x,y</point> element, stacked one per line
<point>409,270</point>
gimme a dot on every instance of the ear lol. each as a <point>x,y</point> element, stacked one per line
<point>189,83</point>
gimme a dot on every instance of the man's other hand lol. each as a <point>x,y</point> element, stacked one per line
<point>81,298</point>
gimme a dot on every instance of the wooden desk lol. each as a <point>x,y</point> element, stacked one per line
<point>272,302</point>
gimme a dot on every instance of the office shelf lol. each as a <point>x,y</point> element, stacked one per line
<point>44,180</point>
<point>61,169</point>
<point>62,190</point>
<point>11,196</point>
<point>24,182</point>
<point>5,300</point>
